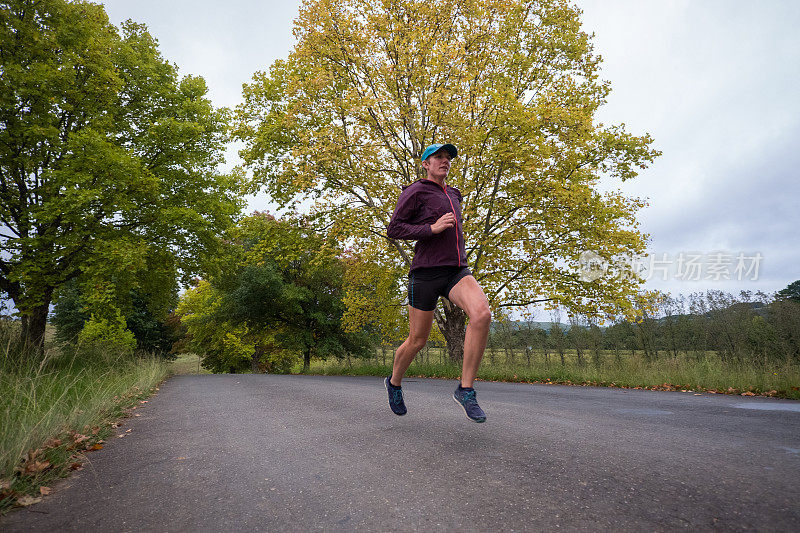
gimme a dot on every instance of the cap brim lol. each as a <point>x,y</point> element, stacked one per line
<point>451,149</point>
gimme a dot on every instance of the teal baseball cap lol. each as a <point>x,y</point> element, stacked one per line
<point>432,149</point>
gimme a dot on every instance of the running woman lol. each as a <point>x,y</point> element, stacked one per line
<point>429,211</point>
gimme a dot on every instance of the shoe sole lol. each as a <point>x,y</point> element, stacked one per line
<point>386,386</point>
<point>465,411</point>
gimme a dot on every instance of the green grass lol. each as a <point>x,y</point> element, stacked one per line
<point>52,412</point>
<point>187,363</point>
<point>707,374</point>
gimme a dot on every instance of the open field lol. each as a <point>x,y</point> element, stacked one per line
<point>630,370</point>
<point>187,363</point>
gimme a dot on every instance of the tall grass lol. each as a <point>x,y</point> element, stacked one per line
<point>708,373</point>
<point>45,398</point>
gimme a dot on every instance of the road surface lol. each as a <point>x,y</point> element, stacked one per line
<point>313,453</point>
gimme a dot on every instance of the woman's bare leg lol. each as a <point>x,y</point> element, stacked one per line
<point>468,295</point>
<point>419,327</point>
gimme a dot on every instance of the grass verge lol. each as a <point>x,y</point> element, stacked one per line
<point>706,375</point>
<point>52,413</point>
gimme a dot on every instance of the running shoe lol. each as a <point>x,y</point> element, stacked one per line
<point>466,399</point>
<point>395,398</point>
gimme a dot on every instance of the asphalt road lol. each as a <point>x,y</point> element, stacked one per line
<point>307,453</point>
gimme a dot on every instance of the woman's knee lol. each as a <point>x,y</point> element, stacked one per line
<point>481,315</point>
<point>416,343</point>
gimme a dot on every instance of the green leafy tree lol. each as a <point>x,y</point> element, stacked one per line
<point>69,313</point>
<point>107,159</point>
<point>150,324</point>
<point>224,346</point>
<point>292,281</point>
<point>280,291</point>
<point>515,85</point>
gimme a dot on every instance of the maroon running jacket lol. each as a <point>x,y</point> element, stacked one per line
<point>421,204</point>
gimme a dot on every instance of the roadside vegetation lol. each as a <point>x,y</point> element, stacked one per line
<point>54,410</point>
<point>709,374</point>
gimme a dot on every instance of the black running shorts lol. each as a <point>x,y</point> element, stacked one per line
<point>425,285</point>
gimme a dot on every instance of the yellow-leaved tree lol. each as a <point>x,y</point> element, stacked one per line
<point>513,84</point>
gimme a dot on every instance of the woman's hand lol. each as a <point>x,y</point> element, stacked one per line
<point>448,220</point>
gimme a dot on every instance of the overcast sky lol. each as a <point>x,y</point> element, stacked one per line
<point>715,82</point>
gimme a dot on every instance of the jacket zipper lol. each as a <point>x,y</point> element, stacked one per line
<point>458,248</point>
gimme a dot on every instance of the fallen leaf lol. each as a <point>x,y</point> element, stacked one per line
<point>128,430</point>
<point>34,467</point>
<point>122,435</point>
<point>77,437</point>
<point>115,425</point>
<point>52,443</point>
<point>4,484</point>
<point>76,466</point>
<point>27,500</point>
<point>181,458</point>
<point>137,414</point>
<point>748,393</point>
<point>44,491</point>
<point>30,456</point>
<point>97,447</point>
<point>143,401</point>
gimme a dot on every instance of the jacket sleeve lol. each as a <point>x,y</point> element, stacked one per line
<point>404,224</point>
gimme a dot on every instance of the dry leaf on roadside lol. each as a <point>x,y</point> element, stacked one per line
<point>748,393</point>
<point>76,466</point>
<point>77,437</point>
<point>27,500</point>
<point>52,443</point>
<point>34,467</point>
<point>97,446</point>
<point>4,484</point>
<point>44,491</point>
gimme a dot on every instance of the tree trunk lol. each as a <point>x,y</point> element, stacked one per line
<point>34,324</point>
<point>255,363</point>
<point>307,360</point>
<point>453,327</point>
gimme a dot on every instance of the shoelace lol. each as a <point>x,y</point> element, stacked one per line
<point>397,395</point>
<point>469,397</point>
